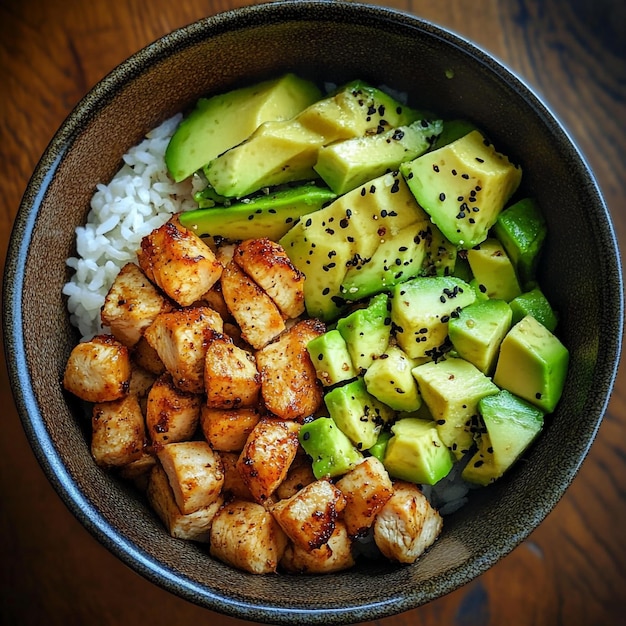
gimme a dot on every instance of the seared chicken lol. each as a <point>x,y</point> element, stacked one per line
<point>146,356</point>
<point>300,475</point>
<point>227,430</point>
<point>234,488</point>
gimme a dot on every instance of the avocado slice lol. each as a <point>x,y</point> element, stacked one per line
<point>534,303</point>
<point>493,269</point>
<point>452,130</point>
<point>332,453</point>
<point>452,389</point>
<point>346,164</point>
<point>416,453</point>
<point>220,122</point>
<point>478,331</point>
<point>421,309</point>
<point>389,379</point>
<point>532,364</point>
<point>286,151</point>
<point>441,255</point>
<point>357,413</point>
<point>463,186</point>
<point>379,448</point>
<point>331,359</point>
<point>267,215</point>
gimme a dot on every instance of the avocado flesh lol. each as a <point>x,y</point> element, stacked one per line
<point>493,269</point>
<point>421,309</point>
<point>452,389</point>
<point>416,453</point>
<point>331,359</point>
<point>441,255</point>
<point>346,164</point>
<point>463,186</point>
<point>286,151</point>
<point>357,413</point>
<point>478,331</point>
<point>332,453</point>
<point>534,303</point>
<point>453,130</point>
<point>532,364</point>
<point>389,379</point>
<point>225,120</point>
<point>268,215</point>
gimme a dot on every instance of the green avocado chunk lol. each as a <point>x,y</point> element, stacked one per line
<point>220,122</point>
<point>534,303</point>
<point>379,448</point>
<point>463,186</point>
<point>416,453</point>
<point>268,215</point>
<point>332,453</point>
<point>532,364</point>
<point>453,130</point>
<point>331,359</point>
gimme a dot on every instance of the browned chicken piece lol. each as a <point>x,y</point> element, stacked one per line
<point>215,299</point>
<point>334,556</point>
<point>98,370</point>
<point>300,475</point>
<point>172,415</point>
<point>194,526</point>
<point>267,456</point>
<point>234,332</point>
<point>407,524</point>
<point>180,339</point>
<point>225,252</point>
<point>131,305</point>
<point>309,517</point>
<point>367,488</point>
<point>269,266</point>
<point>118,433</point>
<point>140,381</point>
<point>231,379</point>
<point>254,311</point>
<point>147,357</point>
<point>179,262</point>
<point>247,537</point>
<point>234,488</point>
<point>138,472</point>
<point>194,472</point>
<point>227,430</point>
<point>289,385</point>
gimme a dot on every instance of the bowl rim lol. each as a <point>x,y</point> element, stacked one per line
<point>17,362</point>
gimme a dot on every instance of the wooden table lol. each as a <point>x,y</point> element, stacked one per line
<point>572,570</point>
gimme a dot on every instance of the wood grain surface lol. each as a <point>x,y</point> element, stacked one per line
<point>572,570</point>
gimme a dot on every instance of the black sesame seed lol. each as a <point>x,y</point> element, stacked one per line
<point>435,168</point>
<point>442,196</point>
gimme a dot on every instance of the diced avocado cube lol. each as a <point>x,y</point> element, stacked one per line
<point>379,448</point>
<point>453,130</point>
<point>441,255</point>
<point>367,331</point>
<point>331,359</point>
<point>452,389</point>
<point>332,453</point>
<point>346,164</point>
<point>421,309</point>
<point>481,468</point>
<point>522,229</point>
<point>220,122</point>
<point>389,379</point>
<point>416,453</point>
<point>479,290</point>
<point>462,269</point>
<point>492,268</point>
<point>534,303</point>
<point>463,186</point>
<point>357,413</point>
<point>532,364</point>
<point>478,331</point>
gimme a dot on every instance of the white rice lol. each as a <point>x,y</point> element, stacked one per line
<point>140,197</point>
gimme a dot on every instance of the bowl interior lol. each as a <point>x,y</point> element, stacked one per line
<point>331,42</point>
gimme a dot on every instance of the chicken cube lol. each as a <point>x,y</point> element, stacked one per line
<point>334,556</point>
<point>309,517</point>
<point>172,415</point>
<point>269,266</point>
<point>118,433</point>
<point>180,339</point>
<point>98,370</point>
<point>194,472</point>
<point>300,475</point>
<point>407,524</point>
<point>267,456</point>
<point>256,314</point>
<point>234,487</point>
<point>367,488</point>
<point>179,262</point>
<point>227,430</point>
<point>147,357</point>
<point>138,472</point>
<point>231,379</point>
<point>131,305</point>
<point>194,526</point>
<point>247,537</point>
<point>214,298</point>
<point>289,384</point>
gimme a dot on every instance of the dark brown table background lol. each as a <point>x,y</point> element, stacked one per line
<point>571,571</point>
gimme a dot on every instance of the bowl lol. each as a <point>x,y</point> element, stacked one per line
<point>335,42</point>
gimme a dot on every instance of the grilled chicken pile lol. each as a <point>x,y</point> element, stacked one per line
<point>198,395</point>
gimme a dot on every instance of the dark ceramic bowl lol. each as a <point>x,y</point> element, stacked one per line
<point>335,42</point>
